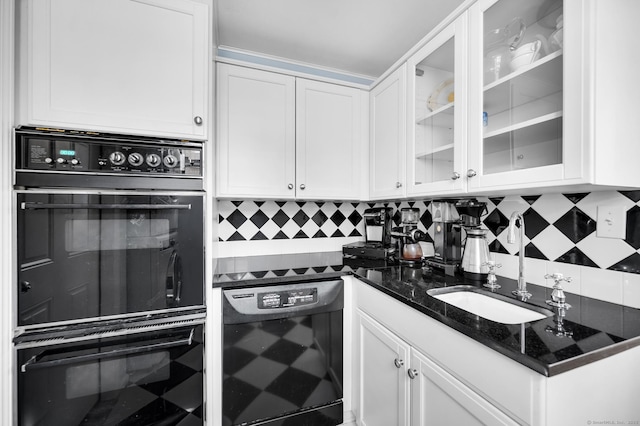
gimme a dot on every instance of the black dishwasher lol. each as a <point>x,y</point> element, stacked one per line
<point>282,354</point>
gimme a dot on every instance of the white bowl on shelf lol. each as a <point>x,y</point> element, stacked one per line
<point>525,54</point>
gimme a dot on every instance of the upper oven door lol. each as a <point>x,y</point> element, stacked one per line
<point>91,256</point>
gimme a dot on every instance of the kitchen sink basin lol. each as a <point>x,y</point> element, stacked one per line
<point>491,306</point>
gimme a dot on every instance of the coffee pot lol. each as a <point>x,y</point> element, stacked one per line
<point>377,225</point>
<point>408,236</point>
<point>476,249</point>
<point>476,254</point>
<point>446,237</point>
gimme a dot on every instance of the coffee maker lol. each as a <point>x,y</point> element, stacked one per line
<point>476,250</point>
<point>446,237</point>
<point>409,236</point>
<point>377,231</point>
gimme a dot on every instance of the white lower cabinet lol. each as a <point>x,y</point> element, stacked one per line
<point>399,385</point>
<point>410,369</point>
<point>383,380</point>
<point>438,398</point>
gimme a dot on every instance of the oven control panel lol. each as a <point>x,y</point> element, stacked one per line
<point>77,153</point>
<point>287,298</point>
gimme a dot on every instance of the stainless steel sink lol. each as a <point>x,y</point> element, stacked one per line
<point>491,306</point>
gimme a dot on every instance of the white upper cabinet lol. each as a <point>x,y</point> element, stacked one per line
<point>436,131</point>
<point>508,96</point>
<point>329,135</point>
<point>281,137</point>
<point>122,66</point>
<point>387,110</point>
<point>256,133</point>
<point>553,94</point>
<point>516,113</point>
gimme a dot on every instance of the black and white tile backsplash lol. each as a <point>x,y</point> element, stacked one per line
<point>559,227</point>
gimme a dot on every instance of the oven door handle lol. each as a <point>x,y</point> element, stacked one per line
<point>32,205</point>
<point>174,280</point>
<point>35,362</point>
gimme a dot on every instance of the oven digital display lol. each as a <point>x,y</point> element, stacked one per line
<point>67,152</point>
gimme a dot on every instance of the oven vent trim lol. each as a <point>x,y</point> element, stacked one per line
<point>27,341</point>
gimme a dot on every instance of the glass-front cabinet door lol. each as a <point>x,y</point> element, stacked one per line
<point>517,96</point>
<point>436,134</point>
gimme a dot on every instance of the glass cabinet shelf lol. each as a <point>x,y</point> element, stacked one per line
<point>522,124</point>
<point>523,147</point>
<point>532,94</point>
<point>445,113</point>
<point>542,73</point>
<point>440,153</point>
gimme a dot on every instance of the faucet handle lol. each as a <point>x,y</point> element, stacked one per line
<point>491,264</point>
<point>558,299</point>
<point>492,281</point>
<point>557,278</point>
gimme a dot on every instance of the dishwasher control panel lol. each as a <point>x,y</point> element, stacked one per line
<point>251,304</point>
<point>287,298</point>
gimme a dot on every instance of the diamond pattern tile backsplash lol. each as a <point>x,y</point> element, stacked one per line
<point>558,227</point>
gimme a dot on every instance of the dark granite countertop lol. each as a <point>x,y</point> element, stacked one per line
<point>591,330</point>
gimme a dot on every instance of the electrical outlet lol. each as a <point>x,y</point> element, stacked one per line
<point>612,222</point>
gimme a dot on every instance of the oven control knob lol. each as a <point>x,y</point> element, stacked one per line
<point>170,161</point>
<point>153,160</point>
<point>75,161</point>
<point>48,160</point>
<point>135,159</point>
<point>117,158</point>
<point>61,160</point>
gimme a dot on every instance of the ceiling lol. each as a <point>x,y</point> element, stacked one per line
<point>362,37</point>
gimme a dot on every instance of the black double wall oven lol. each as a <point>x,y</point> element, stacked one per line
<point>110,292</point>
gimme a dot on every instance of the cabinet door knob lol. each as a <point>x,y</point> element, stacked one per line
<point>471,173</point>
<point>302,186</point>
<point>413,373</point>
<point>398,362</point>
<point>290,186</point>
<point>455,176</point>
<point>25,286</point>
<point>398,184</point>
<point>198,120</point>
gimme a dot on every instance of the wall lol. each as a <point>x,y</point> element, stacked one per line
<point>6,210</point>
<point>560,235</point>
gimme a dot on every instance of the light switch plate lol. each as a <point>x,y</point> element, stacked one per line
<point>612,222</point>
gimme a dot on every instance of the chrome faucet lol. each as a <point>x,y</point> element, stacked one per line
<point>511,238</point>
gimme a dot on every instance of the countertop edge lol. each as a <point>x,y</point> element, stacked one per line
<point>591,357</point>
<point>548,370</point>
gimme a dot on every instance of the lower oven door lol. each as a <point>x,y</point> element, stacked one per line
<point>151,378</point>
<point>95,255</point>
<point>282,355</point>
